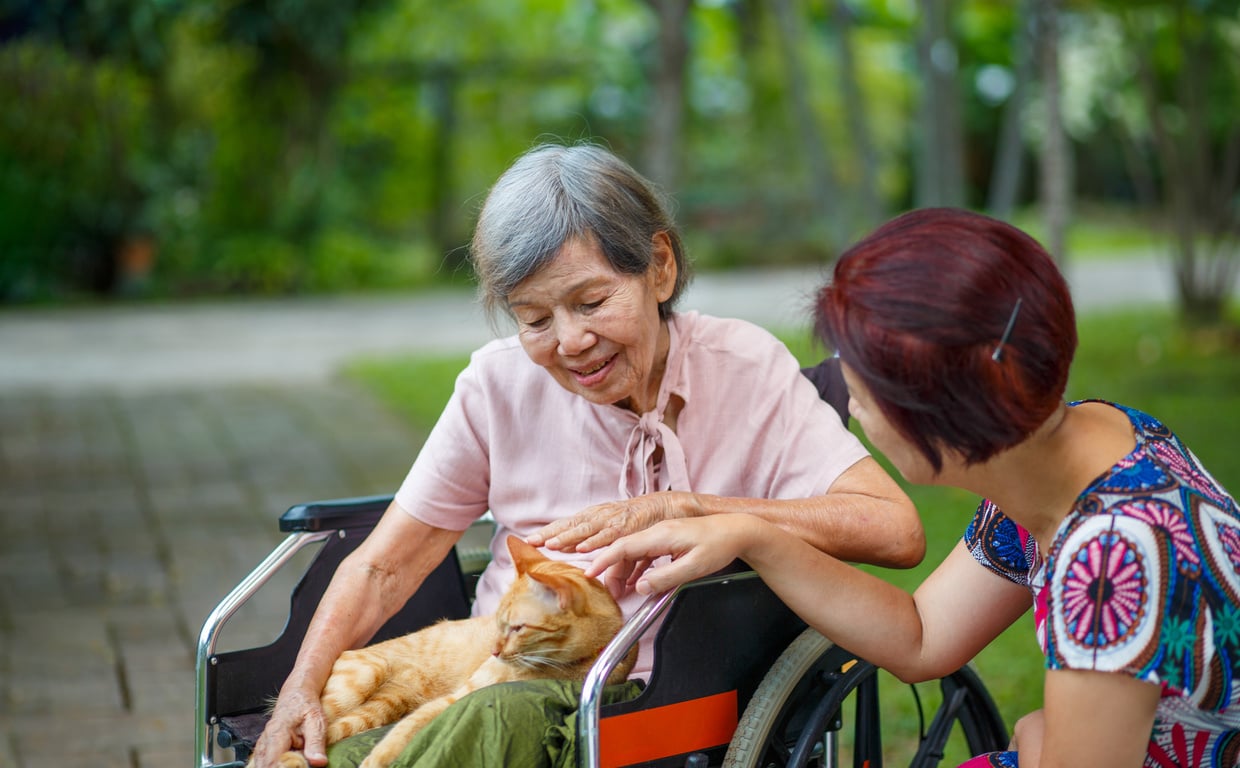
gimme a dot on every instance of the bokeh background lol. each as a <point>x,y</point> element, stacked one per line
<point>233,259</point>
<point>178,147</point>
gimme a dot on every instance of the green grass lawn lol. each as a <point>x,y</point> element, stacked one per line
<point>1141,359</point>
<point>1097,233</point>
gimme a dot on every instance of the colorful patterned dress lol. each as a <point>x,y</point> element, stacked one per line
<point>1142,579</point>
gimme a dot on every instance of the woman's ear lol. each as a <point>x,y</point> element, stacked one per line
<point>662,266</point>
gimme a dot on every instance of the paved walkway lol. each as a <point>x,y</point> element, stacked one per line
<point>135,348</point>
<point>145,453</point>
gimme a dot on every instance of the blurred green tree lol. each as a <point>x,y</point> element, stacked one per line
<point>1170,95</point>
<point>306,145</point>
<point>79,144</point>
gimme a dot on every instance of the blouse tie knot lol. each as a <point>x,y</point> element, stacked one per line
<point>641,474</point>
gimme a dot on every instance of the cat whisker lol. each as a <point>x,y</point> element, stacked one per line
<point>535,661</point>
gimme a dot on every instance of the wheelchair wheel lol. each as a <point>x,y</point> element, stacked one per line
<point>819,702</point>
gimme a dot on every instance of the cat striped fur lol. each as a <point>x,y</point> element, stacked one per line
<point>552,623</point>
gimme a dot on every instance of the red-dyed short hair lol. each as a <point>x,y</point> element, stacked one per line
<point>917,309</point>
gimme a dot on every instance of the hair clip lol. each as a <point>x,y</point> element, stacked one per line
<point>997,355</point>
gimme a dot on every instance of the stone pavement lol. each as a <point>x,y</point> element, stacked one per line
<point>124,518</point>
<point>146,452</point>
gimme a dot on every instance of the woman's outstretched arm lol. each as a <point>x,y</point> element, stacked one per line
<point>958,609</point>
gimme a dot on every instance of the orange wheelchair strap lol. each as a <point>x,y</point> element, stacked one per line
<point>666,731</point>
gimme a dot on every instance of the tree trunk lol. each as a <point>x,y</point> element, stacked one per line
<point>871,207</point>
<point>940,166</point>
<point>666,117</point>
<point>1199,171</point>
<point>442,83</point>
<point>1056,164</point>
<point>1138,166</point>
<point>1008,171</point>
<point>824,186</point>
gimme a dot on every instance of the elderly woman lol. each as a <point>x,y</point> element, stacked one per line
<point>1095,514</point>
<point>606,413</point>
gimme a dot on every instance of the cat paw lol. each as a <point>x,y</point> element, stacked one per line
<point>288,760</point>
<point>382,755</point>
<point>376,761</point>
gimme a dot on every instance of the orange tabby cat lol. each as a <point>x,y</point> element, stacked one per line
<point>552,623</point>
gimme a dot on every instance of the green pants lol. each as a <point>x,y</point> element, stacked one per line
<point>529,724</point>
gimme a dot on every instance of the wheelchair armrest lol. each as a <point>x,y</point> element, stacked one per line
<point>333,514</point>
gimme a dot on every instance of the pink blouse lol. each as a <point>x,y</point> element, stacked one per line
<point>513,441</point>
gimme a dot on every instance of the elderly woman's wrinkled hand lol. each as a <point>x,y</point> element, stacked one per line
<point>296,723</point>
<point>600,525</point>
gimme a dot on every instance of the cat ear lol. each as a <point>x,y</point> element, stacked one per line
<point>523,555</point>
<point>567,592</point>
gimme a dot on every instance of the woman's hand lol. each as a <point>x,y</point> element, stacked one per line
<point>1027,737</point>
<point>698,547</point>
<point>598,526</point>
<point>296,723</point>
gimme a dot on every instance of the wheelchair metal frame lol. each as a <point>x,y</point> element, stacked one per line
<point>801,713</point>
<point>208,638</point>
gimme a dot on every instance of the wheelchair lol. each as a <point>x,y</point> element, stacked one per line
<point>738,680</point>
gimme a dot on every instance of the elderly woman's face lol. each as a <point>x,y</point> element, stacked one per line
<point>595,330</point>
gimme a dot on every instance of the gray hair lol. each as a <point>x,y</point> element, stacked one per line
<point>556,193</point>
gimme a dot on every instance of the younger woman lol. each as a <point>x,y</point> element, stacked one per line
<point>956,332</point>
